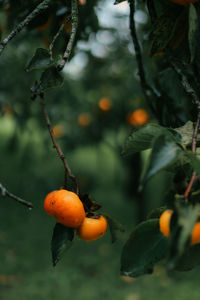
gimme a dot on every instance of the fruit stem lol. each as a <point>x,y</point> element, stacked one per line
<point>68,50</point>
<point>42,6</point>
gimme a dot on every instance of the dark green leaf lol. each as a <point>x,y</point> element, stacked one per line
<point>114,227</point>
<point>61,241</point>
<point>156,213</point>
<point>163,30</point>
<point>195,161</point>
<point>190,259</point>
<point>165,152</point>
<point>40,60</point>
<point>50,78</point>
<point>142,138</point>
<point>145,247</point>
<point>193,33</point>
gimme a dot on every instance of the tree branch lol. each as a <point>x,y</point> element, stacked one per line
<point>57,35</point>
<point>57,147</point>
<point>147,90</point>
<point>42,6</point>
<point>67,53</point>
<point>194,146</point>
<point>5,192</point>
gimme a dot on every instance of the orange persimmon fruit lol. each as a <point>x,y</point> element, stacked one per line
<point>195,235</point>
<point>65,207</point>
<point>105,104</point>
<point>84,119</point>
<point>92,228</point>
<point>164,222</point>
<point>58,131</point>
<point>138,118</point>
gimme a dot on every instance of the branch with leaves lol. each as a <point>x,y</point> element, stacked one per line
<point>147,89</point>
<point>194,146</point>
<point>74,17</point>
<point>42,6</point>
<point>67,168</point>
<point>57,35</point>
<point>5,192</point>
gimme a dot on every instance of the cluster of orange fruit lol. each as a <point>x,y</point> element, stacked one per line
<point>165,220</point>
<point>67,208</point>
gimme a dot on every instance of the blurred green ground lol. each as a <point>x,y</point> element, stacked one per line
<point>88,271</point>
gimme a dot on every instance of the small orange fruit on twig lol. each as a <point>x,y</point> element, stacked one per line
<point>65,207</point>
<point>92,228</point>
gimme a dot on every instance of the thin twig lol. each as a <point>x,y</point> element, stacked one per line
<point>42,6</point>
<point>147,89</point>
<point>74,16</point>
<point>5,192</point>
<point>57,147</point>
<point>194,146</point>
<point>57,35</point>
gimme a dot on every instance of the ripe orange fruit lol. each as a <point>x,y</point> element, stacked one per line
<point>104,104</point>
<point>92,229</point>
<point>66,207</point>
<point>58,131</point>
<point>164,222</point>
<point>49,203</point>
<point>84,119</point>
<point>184,2</point>
<point>195,235</point>
<point>138,118</point>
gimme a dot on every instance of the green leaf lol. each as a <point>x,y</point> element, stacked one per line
<point>193,32</point>
<point>50,78</point>
<point>195,161</point>
<point>40,60</point>
<point>142,138</point>
<point>165,152</point>
<point>115,228</point>
<point>145,247</point>
<point>190,259</point>
<point>163,30</point>
<point>61,241</point>
<point>156,213</point>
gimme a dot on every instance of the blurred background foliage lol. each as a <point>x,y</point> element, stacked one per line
<point>90,114</point>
